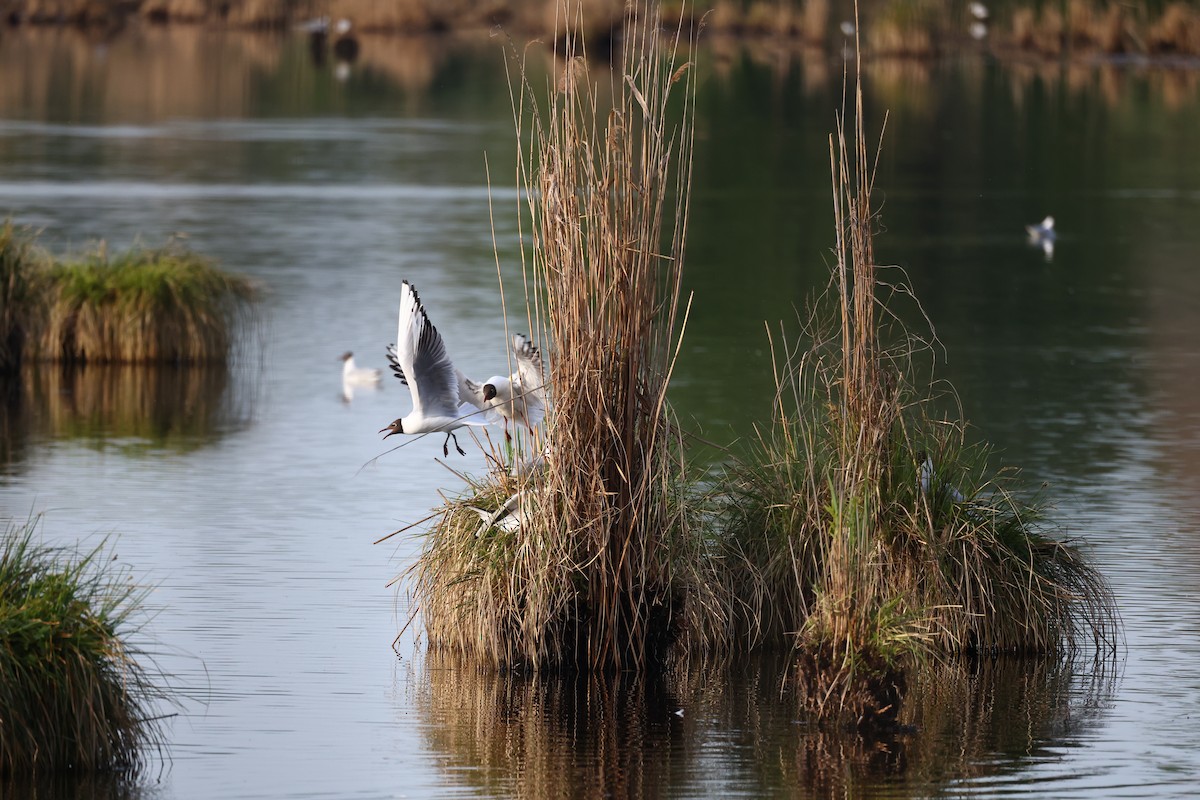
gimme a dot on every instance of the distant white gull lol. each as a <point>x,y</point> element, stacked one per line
<point>520,397</point>
<point>1043,236</point>
<point>358,376</point>
<point>444,400</point>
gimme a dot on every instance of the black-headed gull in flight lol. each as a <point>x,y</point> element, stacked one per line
<point>444,400</point>
<point>358,376</point>
<point>521,397</point>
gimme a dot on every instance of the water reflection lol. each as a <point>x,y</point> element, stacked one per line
<point>136,408</point>
<point>735,731</point>
<point>76,787</point>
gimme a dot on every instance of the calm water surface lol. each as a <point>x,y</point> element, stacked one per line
<point>250,498</point>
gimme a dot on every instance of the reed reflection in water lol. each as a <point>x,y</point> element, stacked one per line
<point>136,408</point>
<point>736,730</point>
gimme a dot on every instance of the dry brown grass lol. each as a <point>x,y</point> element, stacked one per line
<point>839,539</point>
<point>20,260</point>
<point>1177,31</point>
<point>606,570</point>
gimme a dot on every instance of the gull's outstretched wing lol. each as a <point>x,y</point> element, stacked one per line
<point>394,363</point>
<point>529,387</point>
<point>420,357</point>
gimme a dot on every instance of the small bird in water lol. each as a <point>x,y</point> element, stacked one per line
<point>1043,236</point>
<point>520,397</point>
<point>358,376</point>
<point>444,399</point>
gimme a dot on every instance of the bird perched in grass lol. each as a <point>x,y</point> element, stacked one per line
<point>519,398</point>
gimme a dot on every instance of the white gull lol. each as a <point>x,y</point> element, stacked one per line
<point>444,400</point>
<point>1043,236</point>
<point>358,376</point>
<point>520,397</point>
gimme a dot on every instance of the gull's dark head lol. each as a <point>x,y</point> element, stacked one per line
<point>346,356</point>
<point>396,427</point>
<point>489,391</point>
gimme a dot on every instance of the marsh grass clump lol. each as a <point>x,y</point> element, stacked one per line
<point>605,570</point>
<point>20,260</point>
<point>863,528</point>
<point>165,305</point>
<point>73,694</point>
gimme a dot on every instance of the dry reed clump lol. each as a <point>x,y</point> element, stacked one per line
<point>164,305</point>
<point>1177,31</point>
<point>604,569</point>
<point>20,260</point>
<point>1113,28</point>
<point>862,527</point>
<point>911,29</point>
<point>73,694</point>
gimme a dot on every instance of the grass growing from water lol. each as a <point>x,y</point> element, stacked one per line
<point>72,692</point>
<point>19,262</point>
<point>597,573</point>
<point>863,528</point>
<point>163,305</point>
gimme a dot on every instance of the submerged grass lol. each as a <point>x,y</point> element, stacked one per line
<point>164,305</point>
<point>604,569</point>
<point>73,694</point>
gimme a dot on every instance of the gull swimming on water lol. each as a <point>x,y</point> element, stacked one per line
<point>358,376</point>
<point>521,397</point>
<point>1043,236</point>
<point>444,400</point>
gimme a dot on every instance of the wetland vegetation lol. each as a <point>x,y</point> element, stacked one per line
<point>76,693</point>
<point>163,305</point>
<point>862,531</point>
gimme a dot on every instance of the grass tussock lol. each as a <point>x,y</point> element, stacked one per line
<point>863,530</point>
<point>20,260</point>
<point>863,527</point>
<point>73,694</point>
<point>597,573</point>
<point>163,305</point>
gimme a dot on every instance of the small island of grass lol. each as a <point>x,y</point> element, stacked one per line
<point>73,692</point>
<point>145,305</point>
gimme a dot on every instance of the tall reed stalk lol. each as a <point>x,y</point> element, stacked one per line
<point>606,571</point>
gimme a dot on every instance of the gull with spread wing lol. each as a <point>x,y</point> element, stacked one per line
<point>444,399</point>
<point>521,397</point>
